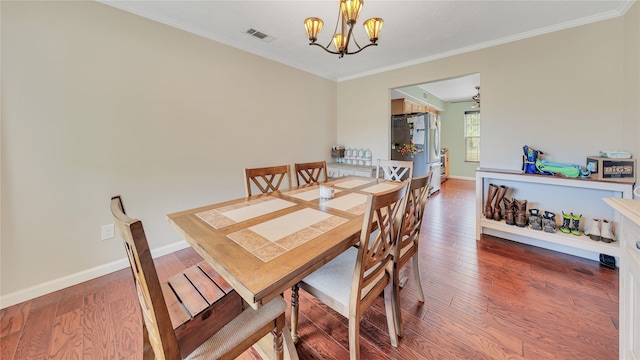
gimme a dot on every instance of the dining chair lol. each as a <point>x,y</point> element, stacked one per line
<point>267,179</point>
<point>353,280</point>
<point>311,172</point>
<point>394,170</point>
<point>409,238</point>
<point>219,335</point>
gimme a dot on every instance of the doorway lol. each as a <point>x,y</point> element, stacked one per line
<point>450,99</point>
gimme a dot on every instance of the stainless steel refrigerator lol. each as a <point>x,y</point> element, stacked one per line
<point>423,130</point>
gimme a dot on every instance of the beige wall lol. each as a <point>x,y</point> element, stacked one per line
<point>98,102</point>
<point>560,92</point>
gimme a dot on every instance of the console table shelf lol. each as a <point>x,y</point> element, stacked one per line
<point>335,170</point>
<point>580,242</point>
<point>555,194</point>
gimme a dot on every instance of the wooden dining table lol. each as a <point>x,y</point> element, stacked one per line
<point>264,244</point>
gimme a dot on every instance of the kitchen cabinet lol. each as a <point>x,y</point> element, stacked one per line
<point>404,106</point>
<point>555,194</point>
<point>335,170</point>
<point>629,276</point>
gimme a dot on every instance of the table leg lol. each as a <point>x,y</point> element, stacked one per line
<point>294,313</point>
<point>265,346</point>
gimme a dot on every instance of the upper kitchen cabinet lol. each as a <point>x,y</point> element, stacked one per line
<point>404,106</point>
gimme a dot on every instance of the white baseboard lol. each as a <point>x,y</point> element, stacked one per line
<point>85,275</point>
<point>467,178</point>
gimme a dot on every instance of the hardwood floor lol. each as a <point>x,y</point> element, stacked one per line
<point>487,299</point>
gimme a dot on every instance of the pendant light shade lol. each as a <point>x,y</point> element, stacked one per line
<point>313,26</point>
<point>339,42</point>
<point>351,10</point>
<point>373,27</point>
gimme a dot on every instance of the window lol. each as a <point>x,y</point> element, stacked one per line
<point>472,136</point>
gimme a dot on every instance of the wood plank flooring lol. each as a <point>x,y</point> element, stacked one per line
<point>487,299</point>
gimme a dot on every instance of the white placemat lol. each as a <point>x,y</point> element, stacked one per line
<point>285,225</point>
<point>346,202</point>
<point>378,188</point>
<point>349,184</point>
<point>251,211</point>
<point>228,215</point>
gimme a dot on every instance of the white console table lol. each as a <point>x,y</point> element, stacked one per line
<point>555,194</point>
<point>629,276</point>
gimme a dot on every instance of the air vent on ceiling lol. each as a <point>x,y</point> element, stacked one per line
<point>260,35</point>
<point>256,33</point>
<point>424,95</point>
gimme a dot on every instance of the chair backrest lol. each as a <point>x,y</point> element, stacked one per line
<point>413,214</point>
<point>395,170</point>
<point>311,172</point>
<point>267,179</point>
<point>152,303</point>
<point>378,238</point>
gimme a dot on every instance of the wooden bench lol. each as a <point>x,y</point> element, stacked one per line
<point>200,302</point>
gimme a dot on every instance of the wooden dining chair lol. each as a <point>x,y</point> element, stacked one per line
<point>311,172</point>
<point>353,280</point>
<point>394,170</point>
<point>409,239</point>
<point>222,331</point>
<point>267,179</point>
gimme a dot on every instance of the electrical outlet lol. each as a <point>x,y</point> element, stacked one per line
<point>108,232</point>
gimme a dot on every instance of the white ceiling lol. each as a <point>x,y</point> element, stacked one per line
<point>462,88</point>
<point>413,31</point>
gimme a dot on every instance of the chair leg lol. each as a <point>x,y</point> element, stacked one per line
<point>396,307</point>
<point>147,349</point>
<point>354,337</point>
<point>289,347</point>
<point>416,272</point>
<point>392,307</point>
<point>277,338</point>
<point>295,308</point>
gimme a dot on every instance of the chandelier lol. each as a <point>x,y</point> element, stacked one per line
<point>347,16</point>
<point>476,98</point>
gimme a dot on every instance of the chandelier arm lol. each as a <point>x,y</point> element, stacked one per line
<point>335,31</point>
<point>354,39</point>
<point>346,44</point>
<point>325,48</point>
<point>360,49</point>
<point>356,42</point>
